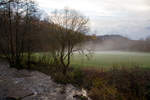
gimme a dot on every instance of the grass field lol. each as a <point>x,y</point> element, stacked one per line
<point>110,59</point>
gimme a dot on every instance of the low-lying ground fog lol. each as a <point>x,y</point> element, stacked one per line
<point>108,59</point>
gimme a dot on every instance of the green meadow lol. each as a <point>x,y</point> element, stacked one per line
<point>110,59</point>
<point>104,59</point>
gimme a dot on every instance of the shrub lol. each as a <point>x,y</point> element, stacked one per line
<point>118,83</point>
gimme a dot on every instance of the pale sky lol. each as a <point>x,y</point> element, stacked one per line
<point>129,18</point>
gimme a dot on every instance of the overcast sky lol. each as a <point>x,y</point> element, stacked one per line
<point>130,18</point>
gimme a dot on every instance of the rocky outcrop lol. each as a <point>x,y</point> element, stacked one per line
<point>34,85</point>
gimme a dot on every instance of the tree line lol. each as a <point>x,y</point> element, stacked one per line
<point>23,32</point>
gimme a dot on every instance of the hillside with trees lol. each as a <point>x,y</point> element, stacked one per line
<point>119,43</point>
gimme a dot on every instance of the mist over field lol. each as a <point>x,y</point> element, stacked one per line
<point>118,43</point>
<point>74,49</point>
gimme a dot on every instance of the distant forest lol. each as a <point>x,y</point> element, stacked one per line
<point>120,43</point>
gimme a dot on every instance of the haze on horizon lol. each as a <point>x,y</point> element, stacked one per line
<point>130,18</point>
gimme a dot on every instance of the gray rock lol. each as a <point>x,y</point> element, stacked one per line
<point>33,85</point>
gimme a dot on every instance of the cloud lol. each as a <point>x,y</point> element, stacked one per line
<point>126,17</point>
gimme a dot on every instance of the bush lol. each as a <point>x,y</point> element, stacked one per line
<point>73,76</point>
<point>118,84</point>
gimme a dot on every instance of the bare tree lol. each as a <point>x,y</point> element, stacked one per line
<point>69,28</point>
<point>16,22</point>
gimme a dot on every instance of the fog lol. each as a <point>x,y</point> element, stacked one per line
<point>118,43</point>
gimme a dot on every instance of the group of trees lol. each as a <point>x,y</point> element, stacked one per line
<point>17,27</point>
<point>23,32</point>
